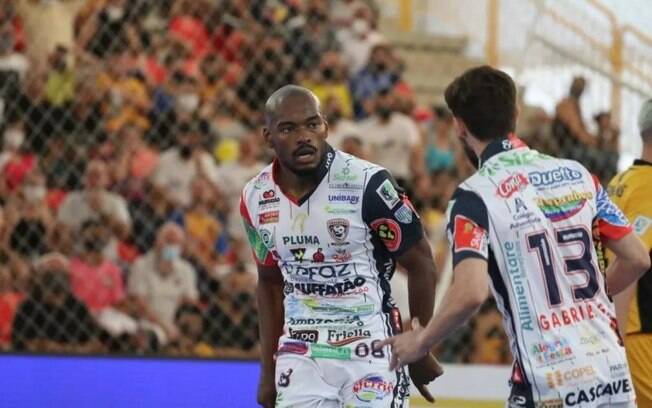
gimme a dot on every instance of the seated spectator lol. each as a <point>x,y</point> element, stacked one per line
<point>52,320</point>
<point>187,25</point>
<point>11,61</point>
<point>161,280</point>
<point>16,159</point>
<point>392,140</point>
<point>378,75</point>
<point>269,69</point>
<point>206,235</point>
<point>149,212</point>
<point>340,126</point>
<point>113,22</point>
<point>358,39</point>
<point>227,115</point>
<point>569,130</point>
<point>10,298</point>
<point>608,135</point>
<point>60,81</point>
<point>329,82</point>
<point>125,93</point>
<point>232,318</point>
<point>29,221</point>
<point>135,161</point>
<point>180,165</point>
<point>439,153</point>
<point>95,203</point>
<point>190,320</point>
<point>353,145</point>
<point>310,41</point>
<point>95,280</point>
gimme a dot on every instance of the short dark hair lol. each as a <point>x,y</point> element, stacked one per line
<point>485,99</point>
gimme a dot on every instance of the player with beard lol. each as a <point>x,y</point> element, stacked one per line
<point>522,225</point>
<point>327,230</point>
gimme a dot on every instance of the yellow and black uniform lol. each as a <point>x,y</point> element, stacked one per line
<point>632,192</point>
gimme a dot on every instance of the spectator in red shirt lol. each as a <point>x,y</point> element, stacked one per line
<point>15,159</point>
<point>95,280</point>
<point>10,298</point>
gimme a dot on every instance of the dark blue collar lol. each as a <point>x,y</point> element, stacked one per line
<point>499,146</point>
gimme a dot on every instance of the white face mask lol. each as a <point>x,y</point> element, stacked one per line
<point>360,26</point>
<point>114,13</point>
<point>171,252</point>
<point>34,193</point>
<point>188,102</point>
<point>13,138</point>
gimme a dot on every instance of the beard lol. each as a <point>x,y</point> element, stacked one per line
<point>470,154</point>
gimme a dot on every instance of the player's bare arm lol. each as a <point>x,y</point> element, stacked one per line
<point>469,289</point>
<point>420,266</point>
<point>632,261</point>
<point>269,296</point>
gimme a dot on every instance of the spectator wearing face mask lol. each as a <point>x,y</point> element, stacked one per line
<point>112,23</point>
<point>29,220</point>
<point>95,203</point>
<point>358,39</point>
<point>178,166</point>
<point>329,82</point>
<point>381,73</point>
<point>161,280</point>
<point>340,126</point>
<point>392,140</point>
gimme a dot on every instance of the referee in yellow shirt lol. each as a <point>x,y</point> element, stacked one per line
<point>632,192</point>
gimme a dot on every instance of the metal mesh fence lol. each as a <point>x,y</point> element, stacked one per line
<point>130,127</point>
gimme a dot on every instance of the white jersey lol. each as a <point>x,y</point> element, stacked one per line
<point>336,249</point>
<point>536,220</point>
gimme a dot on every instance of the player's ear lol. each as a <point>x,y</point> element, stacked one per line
<point>267,135</point>
<point>460,127</point>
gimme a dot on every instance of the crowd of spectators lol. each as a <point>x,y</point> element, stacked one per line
<point>128,131</point>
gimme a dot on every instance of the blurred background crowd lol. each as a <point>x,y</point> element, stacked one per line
<point>129,128</point>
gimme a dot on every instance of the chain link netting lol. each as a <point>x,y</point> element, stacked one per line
<point>128,131</point>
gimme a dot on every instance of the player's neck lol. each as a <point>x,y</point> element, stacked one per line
<point>297,185</point>
<point>647,152</point>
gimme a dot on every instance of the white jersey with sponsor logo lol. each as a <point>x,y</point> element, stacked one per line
<point>533,218</point>
<point>336,249</point>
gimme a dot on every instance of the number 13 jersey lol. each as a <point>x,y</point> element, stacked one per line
<point>536,220</point>
<point>336,249</point>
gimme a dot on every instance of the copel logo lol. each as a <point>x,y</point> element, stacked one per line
<point>574,376</point>
<point>511,185</point>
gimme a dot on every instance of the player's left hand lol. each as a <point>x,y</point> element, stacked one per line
<point>407,347</point>
<point>422,372</point>
<point>411,348</point>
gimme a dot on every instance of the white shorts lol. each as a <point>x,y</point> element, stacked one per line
<point>303,382</point>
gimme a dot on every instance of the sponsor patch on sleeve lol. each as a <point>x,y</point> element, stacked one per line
<point>388,194</point>
<point>389,232</point>
<point>469,236</point>
<point>404,214</point>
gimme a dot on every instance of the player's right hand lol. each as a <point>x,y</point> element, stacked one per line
<point>267,391</point>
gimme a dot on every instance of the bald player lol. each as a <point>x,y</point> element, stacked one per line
<point>327,230</point>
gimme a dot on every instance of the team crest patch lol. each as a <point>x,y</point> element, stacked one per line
<point>267,237</point>
<point>641,224</point>
<point>388,194</point>
<point>469,236</point>
<point>338,228</point>
<point>389,232</point>
<point>404,214</point>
